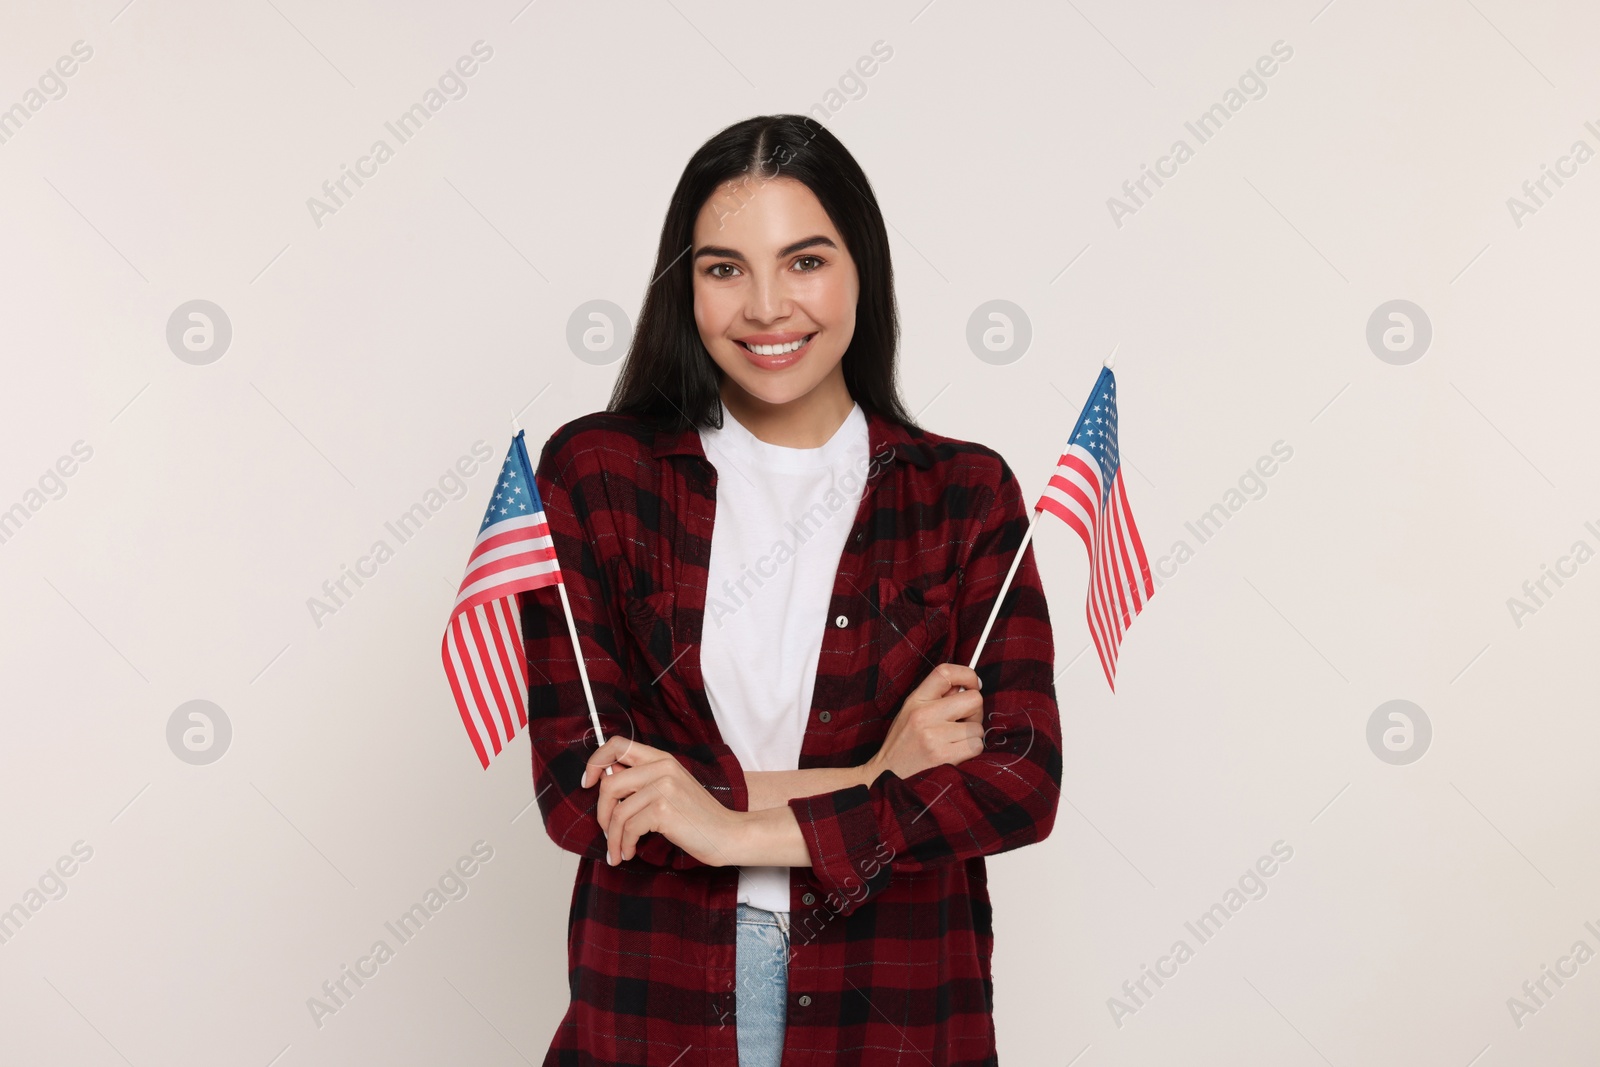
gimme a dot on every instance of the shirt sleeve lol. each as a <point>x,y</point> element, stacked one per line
<point>1002,798</point>
<point>560,731</point>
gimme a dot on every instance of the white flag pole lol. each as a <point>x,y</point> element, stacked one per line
<point>583,672</point>
<point>577,650</point>
<point>1006,585</point>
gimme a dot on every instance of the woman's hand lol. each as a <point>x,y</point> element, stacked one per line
<point>940,722</point>
<point>655,792</point>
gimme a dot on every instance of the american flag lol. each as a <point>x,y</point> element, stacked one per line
<point>1086,492</point>
<point>483,654</point>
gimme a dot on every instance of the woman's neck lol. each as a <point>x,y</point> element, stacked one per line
<point>809,421</point>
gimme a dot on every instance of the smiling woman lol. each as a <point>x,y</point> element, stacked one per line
<point>808,286</point>
<point>787,245</point>
<point>786,826</point>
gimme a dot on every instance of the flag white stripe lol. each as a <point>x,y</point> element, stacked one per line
<point>516,522</point>
<point>459,661</point>
<point>1130,537</point>
<point>510,548</point>
<point>515,647</point>
<point>489,712</point>
<point>1123,555</point>
<point>1070,505</point>
<point>502,684</point>
<point>1095,603</point>
<point>1109,633</point>
<point>1117,575</point>
<point>1108,583</point>
<point>1102,633</point>
<point>490,576</point>
<point>1108,610</point>
<point>1109,576</point>
<point>509,577</point>
<point>1088,484</point>
<point>1130,560</point>
<point>1141,558</point>
<point>453,669</point>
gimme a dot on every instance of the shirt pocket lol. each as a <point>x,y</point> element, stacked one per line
<point>914,623</point>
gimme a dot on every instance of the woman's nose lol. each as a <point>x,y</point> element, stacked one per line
<point>769,300</point>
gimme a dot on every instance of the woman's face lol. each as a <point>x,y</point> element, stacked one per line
<point>771,271</point>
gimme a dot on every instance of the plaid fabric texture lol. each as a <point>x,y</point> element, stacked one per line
<point>891,925</point>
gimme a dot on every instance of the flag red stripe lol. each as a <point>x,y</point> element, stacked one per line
<point>517,655</point>
<point>481,681</point>
<point>479,704</point>
<point>530,535</point>
<point>461,703</point>
<point>1129,533</point>
<point>486,669</point>
<point>1091,472</point>
<point>522,544</point>
<point>1075,490</point>
<point>1138,543</point>
<point>1108,575</point>
<point>478,573</point>
<point>494,622</point>
<point>1069,517</point>
<point>1119,561</point>
<point>1109,616</point>
<point>1099,649</point>
<point>1098,587</point>
<point>1108,629</point>
<point>1126,574</point>
<point>511,588</point>
<point>1108,578</point>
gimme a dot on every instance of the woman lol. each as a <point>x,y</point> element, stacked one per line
<point>778,576</point>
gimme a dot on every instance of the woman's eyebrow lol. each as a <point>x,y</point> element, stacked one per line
<point>786,250</point>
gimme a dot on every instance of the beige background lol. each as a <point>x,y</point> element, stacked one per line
<point>370,352</point>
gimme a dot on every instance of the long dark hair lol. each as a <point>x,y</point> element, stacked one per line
<point>668,377</point>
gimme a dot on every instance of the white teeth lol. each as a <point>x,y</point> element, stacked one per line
<point>777,350</point>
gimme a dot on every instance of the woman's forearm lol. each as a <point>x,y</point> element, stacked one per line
<point>774,789</point>
<point>767,837</point>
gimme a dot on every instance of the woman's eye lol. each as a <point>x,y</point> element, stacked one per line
<point>712,270</point>
<point>815,259</point>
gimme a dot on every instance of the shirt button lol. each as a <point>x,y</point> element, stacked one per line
<point>805,1001</point>
<point>860,535</point>
<point>841,622</point>
<point>825,716</point>
<point>808,898</point>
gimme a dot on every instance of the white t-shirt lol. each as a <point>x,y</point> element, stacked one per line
<point>782,517</point>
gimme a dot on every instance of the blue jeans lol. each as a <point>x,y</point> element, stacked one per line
<point>761,1000</point>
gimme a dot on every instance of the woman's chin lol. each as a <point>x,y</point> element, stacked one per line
<point>774,394</point>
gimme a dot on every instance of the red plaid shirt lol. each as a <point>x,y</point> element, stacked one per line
<point>891,930</point>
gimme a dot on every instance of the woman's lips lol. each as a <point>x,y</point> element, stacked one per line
<point>788,359</point>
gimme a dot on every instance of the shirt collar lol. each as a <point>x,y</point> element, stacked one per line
<point>883,434</point>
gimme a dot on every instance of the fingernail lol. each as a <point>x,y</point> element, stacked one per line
<point>610,860</point>
<point>980,683</point>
